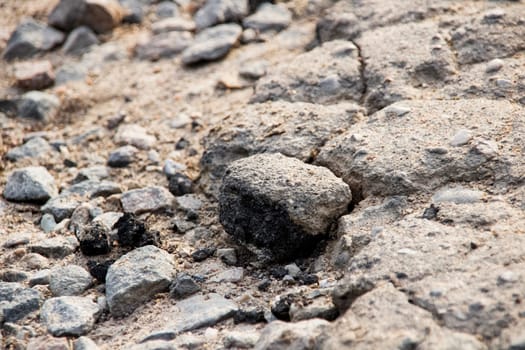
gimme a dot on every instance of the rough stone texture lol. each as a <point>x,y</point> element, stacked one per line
<point>135,135</point>
<point>136,277</point>
<point>31,38</point>
<point>69,280</point>
<point>61,206</point>
<point>301,335</point>
<point>294,129</point>
<point>122,156</point>
<point>374,157</point>
<point>84,343</point>
<point>33,148</point>
<point>99,15</point>
<point>173,24</point>
<point>392,322</point>
<point>268,200</point>
<point>212,43</point>
<point>268,17</point>
<point>219,11</point>
<point>38,106</point>
<point>153,198</point>
<point>34,75</point>
<point>325,75</point>
<point>16,301</point>
<point>56,247</point>
<point>79,41</point>
<point>164,45</point>
<point>31,184</point>
<point>69,315</point>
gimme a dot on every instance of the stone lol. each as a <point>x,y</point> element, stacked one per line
<point>458,195</point>
<point>189,203</point>
<point>494,65</point>
<point>147,199</point>
<point>34,75</point>
<point>166,9</point>
<point>232,275</point>
<point>180,184</point>
<point>268,17</point>
<point>84,343</point>
<point>48,223</point>
<point>69,315</point>
<point>31,38</point>
<point>35,261</point>
<point>133,11</point>
<point>327,74</point>
<point>40,278</point>
<point>134,135</point>
<point>12,275</point>
<point>320,307</point>
<point>165,44</point>
<point>227,255</point>
<point>339,22</point>
<point>251,204</point>
<point>70,72</point>
<point>39,106</point>
<point>31,184</point>
<point>17,239</point>
<point>55,247</point>
<point>17,302</point>
<point>94,239</point>
<point>293,270</point>
<point>302,335</point>
<point>212,43</point>
<point>69,280</point>
<point>219,11</point>
<point>34,148</point>
<point>240,339</point>
<point>173,24</point>
<point>61,206</point>
<point>92,189</point>
<point>254,70</point>
<point>79,41</point>
<point>94,173</point>
<point>183,286</point>
<point>202,254</point>
<point>132,232</point>
<point>99,15</point>
<point>122,156</point>
<point>461,138</point>
<point>136,277</point>
<point>160,345</point>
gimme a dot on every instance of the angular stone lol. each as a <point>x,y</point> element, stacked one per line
<point>79,41</point>
<point>94,173</point>
<point>16,302</point>
<point>34,148</point>
<point>268,17</point>
<point>69,280</point>
<point>164,45</point>
<point>31,38</point>
<point>327,74</point>
<point>56,247</point>
<point>34,75</point>
<point>38,105</point>
<point>61,207</point>
<point>174,24</point>
<point>69,315</point>
<point>99,15</point>
<point>268,200</point>
<point>219,11</point>
<point>212,43</point>
<point>135,135</point>
<point>136,277</point>
<point>303,335</point>
<point>148,199</point>
<point>31,184</point>
<point>122,156</point>
<point>92,189</point>
<point>183,286</point>
<point>458,195</point>
<point>85,343</point>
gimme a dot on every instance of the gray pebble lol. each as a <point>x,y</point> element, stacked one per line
<point>31,184</point>
<point>69,315</point>
<point>69,280</point>
<point>48,223</point>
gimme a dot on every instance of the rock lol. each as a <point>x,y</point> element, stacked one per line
<point>180,184</point>
<point>34,148</point>
<point>99,15</point>
<point>31,184</point>
<point>61,207</point>
<point>99,270</point>
<point>461,138</point>
<point>12,275</point>
<point>327,74</point>
<point>84,343</point>
<point>35,75</point>
<point>293,270</point>
<point>219,11</point>
<point>227,256</point>
<point>339,22</point>
<point>296,129</point>
<point>94,173</point>
<point>17,239</point>
<point>31,38</point>
<point>212,43</point>
<point>134,233</point>
<point>92,189</point>
<point>251,205</point>
<point>69,315</point>
<point>321,307</point>
<point>171,167</point>
<point>240,339</point>
<point>232,275</point>
<point>458,195</point>
<point>166,44</point>
<point>250,316</point>
<point>494,65</point>
<point>166,9</point>
<point>429,164</point>
<point>268,17</point>
<point>202,254</point>
<point>160,345</point>
<point>70,72</point>
<point>183,286</point>
<point>16,302</point>
<point>79,41</point>
<point>392,322</point>
<point>35,261</point>
<point>56,247</point>
<point>174,24</point>
<point>94,239</point>
<point>40,278</point>
<point>48,223</point>
<point>136,277</point>
<point>302,335</point>
<point>254,70</point>
<point>69,280</point>
<point>133,11</point>
<point>148,199</point>
<point>38,106</point>
<point>122,156</point>
<point>135,135</point>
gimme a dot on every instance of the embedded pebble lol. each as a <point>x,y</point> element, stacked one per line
<point>69,280</point>
<point>69,315</point>
<point>494,65</point>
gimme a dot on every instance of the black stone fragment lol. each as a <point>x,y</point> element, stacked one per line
<point>182,144</point>
<point>264,285</point>
<point>308,279</point>
<point>99,270</point>
<point>281,308</point>
<point>133,232</point>
<point>249,316</point>
<point>202,254</point>
<point>278,272</point>
<point>180,184</point>
<point>95,240</point>
<point>431,212</point>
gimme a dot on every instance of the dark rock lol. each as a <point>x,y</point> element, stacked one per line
<point>249,316</point>
<point>35,75</point>
<point>164,45</point>
<point>220,11</point>
<point>31,38</point>
<point>99,270</point>
<point>281,308</point>
<point>94,239</point>
<point>16,302</point>
<point>31,184</point>
<point>212,43</point>
<point>10,275</point>
<point>278,272</point>
<point>202,254</point>
<point>431,212</point>
<point>134,233</point>
<point>180,184</point>
<point>122,156</point>
<point>183,286</point>
<point>264,285</point>
<point>79,41</point>
<point>61,206</point>
<point>38,106</point>
<point>166,9</point>
<point>308,279</point>
<point>133,11</point>
<point>34,148</point>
